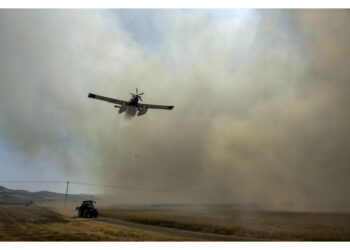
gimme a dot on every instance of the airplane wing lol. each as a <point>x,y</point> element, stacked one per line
<point>107,99</point>
<point>152,106</point>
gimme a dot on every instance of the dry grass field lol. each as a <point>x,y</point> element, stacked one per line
<point>20,223</point>
<point>35,223</point>
<point>263,225</point>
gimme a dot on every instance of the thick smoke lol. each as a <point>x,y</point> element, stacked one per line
<point>261,99</point>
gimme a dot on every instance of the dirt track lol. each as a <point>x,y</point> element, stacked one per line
<point>175,232</point>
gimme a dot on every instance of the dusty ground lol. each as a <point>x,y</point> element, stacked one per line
<point>34,223</point>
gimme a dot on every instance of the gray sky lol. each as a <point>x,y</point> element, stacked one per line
<point>261,103</point>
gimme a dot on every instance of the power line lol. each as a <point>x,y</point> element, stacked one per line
<point>110,186</point>
<point>65,200</point>
<point>131,188</point>
<point>12,181</point>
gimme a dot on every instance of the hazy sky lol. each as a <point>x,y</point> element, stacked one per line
<point>261,103</point>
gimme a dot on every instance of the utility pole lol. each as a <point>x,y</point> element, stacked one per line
<point>65,201</point>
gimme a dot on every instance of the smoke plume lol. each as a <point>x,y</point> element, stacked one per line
<point>261,103</point>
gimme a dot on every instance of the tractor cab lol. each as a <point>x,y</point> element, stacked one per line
<point>88,203</point>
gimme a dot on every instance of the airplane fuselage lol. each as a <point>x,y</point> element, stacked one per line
<point>133,101</point>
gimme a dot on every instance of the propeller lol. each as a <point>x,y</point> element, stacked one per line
<point>137,94</point>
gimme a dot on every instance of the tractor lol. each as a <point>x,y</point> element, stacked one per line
<point>87,210</point>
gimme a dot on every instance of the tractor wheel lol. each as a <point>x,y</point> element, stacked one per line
<point>95,214</point>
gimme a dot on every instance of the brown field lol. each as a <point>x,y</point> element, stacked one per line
<point>262,225</point>
<point>20,223</point>
<point>35,223</point>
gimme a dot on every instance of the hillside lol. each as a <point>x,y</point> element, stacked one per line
<point>9,196</point>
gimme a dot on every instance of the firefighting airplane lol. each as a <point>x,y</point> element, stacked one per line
<point>133,103</point>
